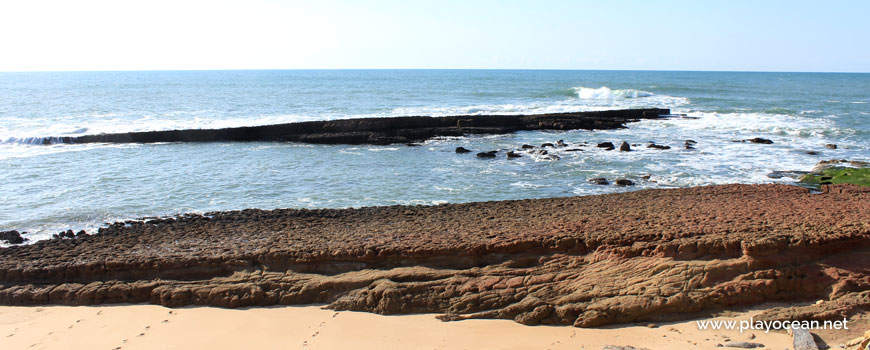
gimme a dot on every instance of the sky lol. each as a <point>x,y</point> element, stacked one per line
<point>794,36</point>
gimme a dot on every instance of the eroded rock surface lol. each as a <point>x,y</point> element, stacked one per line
<point>648,255</point>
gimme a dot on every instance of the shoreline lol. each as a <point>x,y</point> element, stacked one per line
<point>310,327</point>
<point>649,255</point>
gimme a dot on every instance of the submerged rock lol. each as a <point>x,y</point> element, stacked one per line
<point>462,150</point>
<point>544,145</point>
<point>490,154</point>
<point>599,181</point>
<point>527,147</point>
<point>759,140</point>
<point>512,155</point>
<point>655,146</point>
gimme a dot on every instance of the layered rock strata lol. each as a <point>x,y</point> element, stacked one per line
<point>648,255</point>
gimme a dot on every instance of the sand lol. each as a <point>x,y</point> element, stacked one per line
<point>311,327</point>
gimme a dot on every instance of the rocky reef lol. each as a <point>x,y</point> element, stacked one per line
<point>381,131</point>
<point>650,255</point>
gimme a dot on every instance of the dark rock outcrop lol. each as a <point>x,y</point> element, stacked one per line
<point>759,140</point>
<point>381,131</point>
<point>624,182</point>
<point>11,237</point>
<point>599,181</point>
<point>487,155</point>
<point>512,155</point>
<point>655,146</point>
<point>607,146</point>
<point>625,147</point>
<point>642,256</point>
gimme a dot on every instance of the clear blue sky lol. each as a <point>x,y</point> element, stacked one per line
<point>259,34</point>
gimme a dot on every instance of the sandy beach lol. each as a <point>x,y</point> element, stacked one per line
<point>311,327</point>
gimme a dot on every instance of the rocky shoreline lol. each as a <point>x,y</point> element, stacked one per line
<point>647,255</point>
<point>382,131</point>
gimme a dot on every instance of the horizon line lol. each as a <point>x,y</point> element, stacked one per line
<point>428,69</point>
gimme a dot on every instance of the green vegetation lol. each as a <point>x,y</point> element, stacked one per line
<point>838,175</point>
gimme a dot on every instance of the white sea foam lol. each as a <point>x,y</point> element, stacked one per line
<point>605,93</point>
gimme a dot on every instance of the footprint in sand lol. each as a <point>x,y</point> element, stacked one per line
<point>99,313</point>
<point>39,309</point>
<point>164,321</point>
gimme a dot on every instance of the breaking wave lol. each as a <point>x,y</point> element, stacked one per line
<point>606,93</point>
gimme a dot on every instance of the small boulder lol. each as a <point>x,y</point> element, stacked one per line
<point>655,146</point>
<point>803,339</point>
<point>607,146</point>
<point>760,140</point>
<point>561,143</point>
<point>527,147</point>
<point>624,182</point>
<point>462,150</point>
<point>490,154</point>
<point>625,147</point>
<point>512,155</point>
<point>599,181</point>
<point>12,237</point>
<point>831,146</point>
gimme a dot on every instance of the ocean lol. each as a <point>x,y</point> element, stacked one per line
<point>45,189</point>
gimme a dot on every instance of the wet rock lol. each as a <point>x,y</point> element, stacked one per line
<point>561,143</point>
<point>831,146</point>
<point>462,150</point>
<point>625,147</point>
<point>743,345</point>
<point>812,153</point>
<point>81,233</point>
<point>759,140</point>
<point>547,145</point>
<point>655,146</point>
<point>11,237</point>
<point>778,174</point>
<point>624,182</point>
<point>690,144</point>
<point>803,340</point>
<point>488,155</point>
<point>512,155</point>
<point>607,145</point>
<point>599,181</point>
<point>527,147</point>
<point>573,150</point>
<point>551,157</point>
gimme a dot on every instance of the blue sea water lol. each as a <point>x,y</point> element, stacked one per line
<point>46,189</point>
